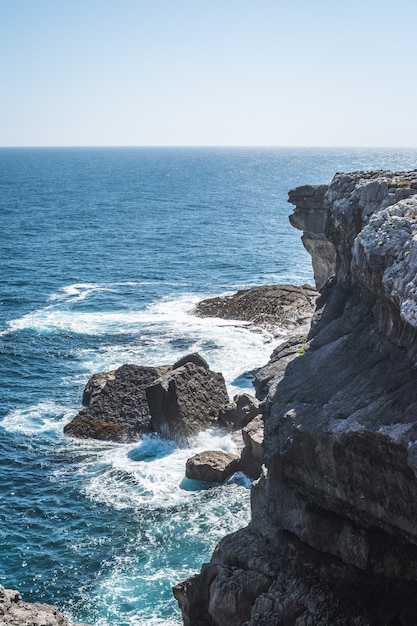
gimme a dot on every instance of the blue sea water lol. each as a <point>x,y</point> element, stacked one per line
<point>104,252</point>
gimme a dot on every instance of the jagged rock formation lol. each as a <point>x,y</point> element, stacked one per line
<point>310,217</point>
<point>333,536</point>
<point>251,458</point>
<point>272,306</point>
<point>240,412</point>
<point>185,400</point>
<point>117,409</point>
<point>176,401</point>
<point>14,612</point>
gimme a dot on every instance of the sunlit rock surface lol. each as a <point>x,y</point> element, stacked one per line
<point>333,536</point>
<point>15,612</point>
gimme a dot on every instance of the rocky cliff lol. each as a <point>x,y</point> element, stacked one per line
<point>333,536</point>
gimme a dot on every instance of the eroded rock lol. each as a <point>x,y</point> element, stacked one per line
<point>117,406</point>
<point>176,401</point>
<point>273,306</point>
<point>239,412</point>
<point>333,513</point>
<point>15,612</point>
<point>212,466</point>
<point>186,400</point>
<point>252,454</point>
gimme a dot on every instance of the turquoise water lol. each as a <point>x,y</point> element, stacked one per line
<point>104,252</point>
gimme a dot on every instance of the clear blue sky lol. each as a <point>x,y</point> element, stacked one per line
<point>208,72</point>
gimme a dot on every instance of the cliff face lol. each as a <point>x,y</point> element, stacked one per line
<point>333,536</point>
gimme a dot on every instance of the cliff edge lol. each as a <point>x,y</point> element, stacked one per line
<point>333,535</point>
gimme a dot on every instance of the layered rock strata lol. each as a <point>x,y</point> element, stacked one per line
<point>275,307</point>
<point>333,536</point>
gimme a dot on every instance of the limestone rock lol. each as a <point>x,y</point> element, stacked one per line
<point>186,400</point>
<point>252,454</point>
<point>272,306</point>
<point>212,466</point>
<point>117,406</point>
<point>195,358</point>
<point>310,216</point>
<point>341,412</point>
<point>15,612</point>
<point>176,401</point>
<point>95,386</point>
<point>333,512</point>
<point>239,412</point>
<point>251,582</point>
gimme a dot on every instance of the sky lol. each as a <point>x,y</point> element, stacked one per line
<point>208,73</point>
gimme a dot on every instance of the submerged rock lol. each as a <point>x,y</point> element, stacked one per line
<point>333,538</point>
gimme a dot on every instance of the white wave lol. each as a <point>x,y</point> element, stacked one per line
<point>148,474</point>
<point>231,350</point>
<point>43,418</point>
<point>128,585</point>
<point>85,323</point>
<point>168,329</point>
<point>77,291</point>
<point>81,291</point>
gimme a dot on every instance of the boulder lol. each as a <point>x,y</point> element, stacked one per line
<point>117,406</point>
<point>240,412</point>
<point>252,454</point>
<point>15,612</point>
<point>212,466</point>
<point>186,400</point>
<point>176,401</point>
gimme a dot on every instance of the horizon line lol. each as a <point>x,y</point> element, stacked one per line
<point>209,146</point>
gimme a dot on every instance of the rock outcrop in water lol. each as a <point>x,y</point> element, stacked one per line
<point>15,612</point>
<point>333,536</point>
<point>186,400</point>
<point>213,466</point>
<point>117,409</point>
<point>176,401</point>
<point>276,307</point>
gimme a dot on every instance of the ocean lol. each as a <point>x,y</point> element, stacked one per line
<point>104,252</point>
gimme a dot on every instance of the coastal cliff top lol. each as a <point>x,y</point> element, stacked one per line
<point>368,220</point>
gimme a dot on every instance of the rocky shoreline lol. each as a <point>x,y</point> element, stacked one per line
<point>15,612</point>
<point>330,440</point>
<point>333,538</point>
<point>278,308</point>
